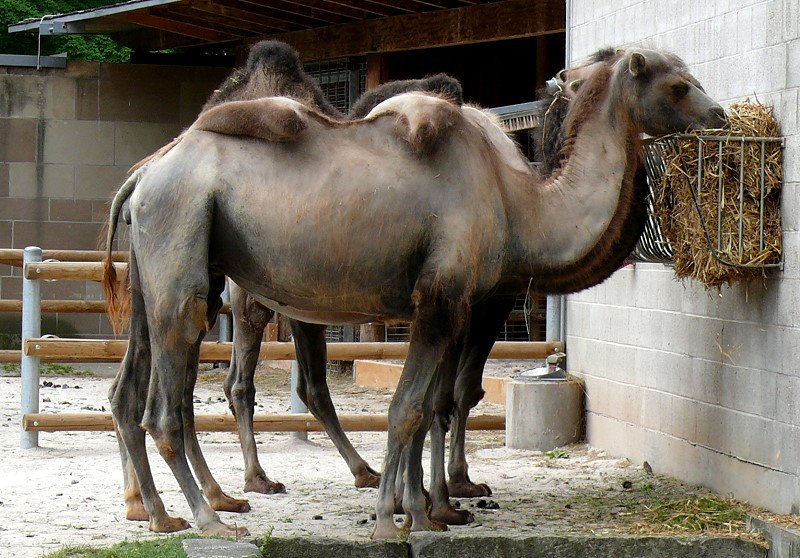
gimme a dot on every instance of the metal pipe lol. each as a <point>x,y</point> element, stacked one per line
<point>552,324</point>
<point>297,405</point>
<point>225,323</point>
<point>555,328</point>
<point>31,328</point>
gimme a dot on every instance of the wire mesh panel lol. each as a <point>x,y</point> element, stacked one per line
<point>342,80</point>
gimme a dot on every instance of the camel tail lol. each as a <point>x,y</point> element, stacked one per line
<point>118,303</point>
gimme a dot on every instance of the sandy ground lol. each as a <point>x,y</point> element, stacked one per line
<point>69,490</point>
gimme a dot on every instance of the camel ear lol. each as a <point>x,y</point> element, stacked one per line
<point>637,64</point>
<point>562,75</point>
<point>575,84</point>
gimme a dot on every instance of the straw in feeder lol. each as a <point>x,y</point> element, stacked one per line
<point>718,202</point>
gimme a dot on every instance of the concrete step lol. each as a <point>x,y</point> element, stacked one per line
<point>444,545</point>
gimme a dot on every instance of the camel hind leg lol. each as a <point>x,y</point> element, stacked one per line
<point>127,396</point>
<point>217,499</point>
<point>313,390</point>
<point>177,306</point>
<point>488,319</point>
<point>438,318</point>
<point>249,320</point>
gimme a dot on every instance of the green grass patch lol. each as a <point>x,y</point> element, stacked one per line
<point>168,547</point>
<point>695,515</point>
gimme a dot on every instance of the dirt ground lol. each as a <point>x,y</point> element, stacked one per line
<point>69,490</point>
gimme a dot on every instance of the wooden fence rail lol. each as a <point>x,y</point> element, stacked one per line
<point>84,350</point>
<point>13,256</point>
<point>73,306</point>
<point>70,271</point>
<point>298,422</point>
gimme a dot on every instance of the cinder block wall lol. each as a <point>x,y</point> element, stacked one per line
<point>702,386</point>
<point>67,138</point>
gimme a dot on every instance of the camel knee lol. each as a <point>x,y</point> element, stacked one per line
<point>314,394</point>
<point>182,318</point>
<point>406,420</point>
<point>242,394</point>
<point>167,433</point>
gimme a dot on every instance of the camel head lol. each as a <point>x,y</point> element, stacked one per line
<point>662,96</point>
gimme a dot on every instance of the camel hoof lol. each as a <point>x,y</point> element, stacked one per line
<point>451,516</point>
<point>168,524</point>
<point>220,529</point>
<point>226,503</point>
<point>136,512</point>
<point>468,490</point>
<point>369,479</point>
<point>264,486</point>
<point>386,531</point>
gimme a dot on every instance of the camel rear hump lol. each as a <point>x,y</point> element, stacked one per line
<point>423,120</point>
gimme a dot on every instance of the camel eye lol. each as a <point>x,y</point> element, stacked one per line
<point>680,90</point>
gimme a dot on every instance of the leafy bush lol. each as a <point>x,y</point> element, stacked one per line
<point>99,48</point>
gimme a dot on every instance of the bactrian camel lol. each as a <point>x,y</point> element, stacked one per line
<point>461,220</point>
<point>272,68</point>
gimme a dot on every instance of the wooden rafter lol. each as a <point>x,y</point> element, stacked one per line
<point>223,25</point>
<point>507,19</point>
<point>294,13</point>
<point>177,27</point>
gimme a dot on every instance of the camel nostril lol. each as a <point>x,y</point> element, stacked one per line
<point>718,116</point>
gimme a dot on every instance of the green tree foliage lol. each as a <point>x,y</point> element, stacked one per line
<point>84,47</point>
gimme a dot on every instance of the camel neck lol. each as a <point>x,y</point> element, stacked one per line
<point>569,227</point>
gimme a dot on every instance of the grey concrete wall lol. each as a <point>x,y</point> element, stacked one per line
<point>67,138</point>
<point>703,386</point>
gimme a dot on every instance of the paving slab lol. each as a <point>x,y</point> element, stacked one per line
<point>322,547</point>
<point>443,545</point>
<point>783,541</point>
<point>440,545</point>
<point>219,548</point>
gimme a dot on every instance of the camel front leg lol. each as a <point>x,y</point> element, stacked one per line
<point>250,319</point>
<point>411,410</point>
<point>313,389</point>
<point>487,322</point>
<point>441,508</point>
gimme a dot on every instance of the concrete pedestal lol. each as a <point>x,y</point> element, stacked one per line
<point>544,414</point>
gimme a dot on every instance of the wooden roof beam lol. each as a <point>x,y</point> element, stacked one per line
<point>508,19</point>
<point>177,27</point>
<point>294,13</point>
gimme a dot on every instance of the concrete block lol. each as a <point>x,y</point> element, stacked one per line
<point>78,142</point>
<point>127,99</point>
<point>542,415</point>
<point>58,181</point>
<point>786,111</point>
<point>88,99</point>
<point>18,138</point>
<point>22,182</point>
<point>425,545</point>
<point>219,548</point>
<point>98,182</point>
<point>793,63</point>
<point>790,11</point>
<point>23,96</point>
<point>744,30</point>
<point>314,547</point>
<point>783,542</point>
<point>60,98</point>
<point>135,140</point>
